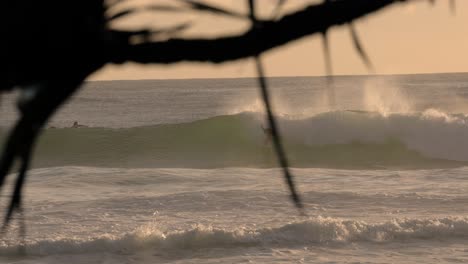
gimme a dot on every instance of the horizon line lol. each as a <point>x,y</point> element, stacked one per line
<point>285,76</point>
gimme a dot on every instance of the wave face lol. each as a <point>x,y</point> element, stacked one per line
<point>339,139</point>
<point>316,231</point>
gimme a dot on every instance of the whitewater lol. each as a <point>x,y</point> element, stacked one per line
<point>180,171</point>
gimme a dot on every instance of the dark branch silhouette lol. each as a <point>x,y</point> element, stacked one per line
<point>273,127</point>
<point>359,48</point>
<point>50,47</point>
<point>263,37</point>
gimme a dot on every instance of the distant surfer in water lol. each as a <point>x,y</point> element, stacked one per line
<point>76,125</point>
<point>268,134</point>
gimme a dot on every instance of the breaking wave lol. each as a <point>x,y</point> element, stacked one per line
<point>315,231</point>
<point>339,139</point>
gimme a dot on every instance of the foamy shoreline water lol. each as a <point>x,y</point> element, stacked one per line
<point>95,214</point>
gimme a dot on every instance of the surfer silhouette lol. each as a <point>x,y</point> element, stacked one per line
<point>268,134</point>
<point>76,125</point>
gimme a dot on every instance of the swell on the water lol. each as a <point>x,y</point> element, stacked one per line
<point>339,139</point>
<point>315,231</point>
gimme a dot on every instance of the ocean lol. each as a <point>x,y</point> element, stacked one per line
<point>181,171</point>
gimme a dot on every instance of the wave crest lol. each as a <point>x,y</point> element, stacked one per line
<point>315,231</point>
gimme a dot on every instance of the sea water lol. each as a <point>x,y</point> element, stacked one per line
<point>181,171</point>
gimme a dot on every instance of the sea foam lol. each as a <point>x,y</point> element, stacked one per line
<point>318,231</point>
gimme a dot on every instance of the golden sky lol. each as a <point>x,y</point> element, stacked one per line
<point>406,38</point>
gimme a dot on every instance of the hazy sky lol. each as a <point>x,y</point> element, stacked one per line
<point>406,38</point>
